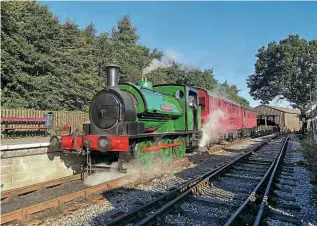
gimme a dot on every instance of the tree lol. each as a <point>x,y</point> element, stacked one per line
<point>28,48</point>
<point>232,92</point>
<point>287,69</point>
<point>50,65</point>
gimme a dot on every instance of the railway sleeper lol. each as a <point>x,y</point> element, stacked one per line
<point>248,172</point>
<point>259,161</point>
<point>287,168</point>
<point>254,162</point>
<point>205,210</point>
<point>246,169</point>
<point>237,189</point>
<point>230,175</point>
<point>179,220</point>
<point>221,196</point>
<point>288,207</point>
<point>216,192</point>
<point>284,198</point>
<point>227,184</point>
<point>214,203</point>
<point>281,188</point>
<point>250,165</point>
<point>212,220</point>
<point>282,195</point>
<point>287,174</point>
<point>290,183</point>
<point>288,219</point>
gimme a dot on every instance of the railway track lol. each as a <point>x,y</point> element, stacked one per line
<point>7,195</point>
<point>219,197</point>
<point>279,204</point>
<point>25,213</point>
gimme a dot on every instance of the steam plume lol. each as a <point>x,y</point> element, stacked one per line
<point>168,61</point>
<point>134,171</point>
<point>171,58</point>
<point>215,125</point>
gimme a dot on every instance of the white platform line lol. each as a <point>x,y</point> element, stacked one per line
<point>23,146</point>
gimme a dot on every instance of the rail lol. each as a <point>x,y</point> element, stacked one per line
<point>7,195</point>
<point>273,166</point>
<point>267,190</point>
<point>165,203</point>
<point>25,213</point>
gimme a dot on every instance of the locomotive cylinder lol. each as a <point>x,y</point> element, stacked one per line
<point>112,75</point>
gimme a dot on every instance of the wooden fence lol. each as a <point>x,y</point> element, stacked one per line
<point>61,118</point>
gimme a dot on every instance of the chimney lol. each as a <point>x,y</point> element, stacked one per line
<point>112,75</point>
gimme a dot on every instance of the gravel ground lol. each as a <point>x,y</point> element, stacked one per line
<point>136,195</point>
<point>230,187</point>
<point>300,194</point>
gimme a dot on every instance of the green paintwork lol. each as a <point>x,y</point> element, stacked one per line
<point>179,151</point>
<point>131,89</point>
<point>174,120</point>
<point>167,153</point>
<point>199,117</point>
<point>145,159</point>
<point>171,89</point>
<point>180,123</point>
<point>145,84</point>
<point>153,100</point>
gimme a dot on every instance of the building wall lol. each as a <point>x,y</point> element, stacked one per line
<point>293,124</point>
<point>270,111</point>
<point>29,166</point>
<point>289,122</point>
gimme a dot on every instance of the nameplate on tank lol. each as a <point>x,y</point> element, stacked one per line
<point>166,108</point>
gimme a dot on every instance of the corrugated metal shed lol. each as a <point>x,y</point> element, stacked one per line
<point>288,119</point>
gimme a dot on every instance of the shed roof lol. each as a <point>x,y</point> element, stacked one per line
<point>287,110</point>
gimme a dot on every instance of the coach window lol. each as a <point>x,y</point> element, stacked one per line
<point>202,103</point>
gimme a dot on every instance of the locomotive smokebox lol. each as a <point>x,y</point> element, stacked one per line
<point>112,75</point>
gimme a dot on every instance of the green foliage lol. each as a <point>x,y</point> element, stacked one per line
<point>58,66</point>
<point>287,69</point>
<point>232,93</point>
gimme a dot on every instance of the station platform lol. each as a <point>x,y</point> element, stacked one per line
<point>29,142</point>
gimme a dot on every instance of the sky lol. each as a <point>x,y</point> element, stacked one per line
<point>224,36</point>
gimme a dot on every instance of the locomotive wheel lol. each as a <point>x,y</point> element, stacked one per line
<point>144,158</point>
<point>179,151</point>
<point>167,153</point>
